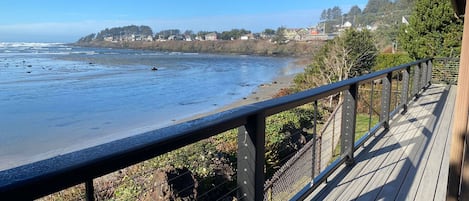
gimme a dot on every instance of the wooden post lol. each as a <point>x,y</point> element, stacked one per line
<point>460,119</point>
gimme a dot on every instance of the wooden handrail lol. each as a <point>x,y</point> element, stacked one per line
<point>460,125</point>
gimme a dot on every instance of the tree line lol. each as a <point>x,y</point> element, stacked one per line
<point>433,31</point>
<point>146,31</point>
<point>376,11</point>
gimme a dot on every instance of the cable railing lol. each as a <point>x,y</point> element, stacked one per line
<point>45,177</point>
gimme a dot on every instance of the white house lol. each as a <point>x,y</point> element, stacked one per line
<point>211,36</point>
<point>347,25</point>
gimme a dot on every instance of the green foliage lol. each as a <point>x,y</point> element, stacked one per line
<point>279,131</point>
<point>376,6</point>
<point>280,35</point>
<point>384,13</point>
<point>124,31</point>
<point>433,30</point>
<point>269,32</point>
<point>196,157</point>
<point>234,34</point>
<point>87,38</point>
<point>387,60</point>
<point>350,54</point>
<point>128,190</point>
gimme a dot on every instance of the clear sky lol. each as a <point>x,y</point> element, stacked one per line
<point>66,21</point>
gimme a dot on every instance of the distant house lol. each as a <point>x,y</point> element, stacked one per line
<point>176,37</point>
<point>172,37</point>
<point>109,39</point>
<point>247,37</point>
<point>292,34</point>
<point>187,38</point>
<point>347,25</point>
<point>149,38</point>
<point>211,36</point>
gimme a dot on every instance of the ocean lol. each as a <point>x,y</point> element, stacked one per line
<point>56,98</point>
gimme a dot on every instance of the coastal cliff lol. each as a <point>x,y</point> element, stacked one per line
<point>251,47</point>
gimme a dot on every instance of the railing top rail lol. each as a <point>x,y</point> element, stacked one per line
<point>47,176</point>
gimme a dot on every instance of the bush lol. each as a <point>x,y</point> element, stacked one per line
<point>387,60</point>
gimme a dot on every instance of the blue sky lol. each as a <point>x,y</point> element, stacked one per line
<point>66,21</point>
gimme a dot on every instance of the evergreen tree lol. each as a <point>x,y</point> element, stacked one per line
<point>353,14</point>
<point>433,30</point>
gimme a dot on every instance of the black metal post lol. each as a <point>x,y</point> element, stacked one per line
<point>386,100</point>
<point>349,109</point>
<point>423,74</point>
<point>396,103</point>
<point>371,104</point>
<point>89,190</point>
<point>405,89</point>
<point>251,158</point>
<point>416,82</point>
<point>429,72</point>
<point>317,144</point>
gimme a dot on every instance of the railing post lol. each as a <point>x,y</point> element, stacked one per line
<point>349,109</point>
<point>89,190</point>
<point>423,75</point>
<point>316,152</point>
<point>386,100</point>
<point>416,82</point>
<point>405,89</point>
<point>251,158</point>
<point>429,72</point>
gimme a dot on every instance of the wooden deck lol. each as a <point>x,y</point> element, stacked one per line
<point>409,162</point>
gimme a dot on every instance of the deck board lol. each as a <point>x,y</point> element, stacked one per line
<point>409,162</point>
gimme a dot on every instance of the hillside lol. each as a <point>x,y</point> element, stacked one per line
<point>254,47</point>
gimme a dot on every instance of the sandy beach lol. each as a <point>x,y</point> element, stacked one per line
<point>263,92</point>
<point>267,91</point>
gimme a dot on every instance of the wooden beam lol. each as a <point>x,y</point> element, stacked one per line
<point>460,124</point>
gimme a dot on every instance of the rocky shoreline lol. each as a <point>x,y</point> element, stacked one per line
<point>248,47</point>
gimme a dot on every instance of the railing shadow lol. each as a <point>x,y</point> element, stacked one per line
<point>401,185</point>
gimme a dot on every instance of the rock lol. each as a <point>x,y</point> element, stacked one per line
<point>172,184</point>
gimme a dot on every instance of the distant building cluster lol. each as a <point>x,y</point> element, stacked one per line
<point>128,38</point>
<point>284,35</point>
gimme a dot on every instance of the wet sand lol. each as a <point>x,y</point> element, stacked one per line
<point>267,91</point>
<point>263,92</point>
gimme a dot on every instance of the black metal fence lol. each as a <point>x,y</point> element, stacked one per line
<point>446,70</point>
<point>48,176</point>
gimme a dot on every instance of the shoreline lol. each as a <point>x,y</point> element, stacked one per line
<point>263,92</point>
<point>297,49</point>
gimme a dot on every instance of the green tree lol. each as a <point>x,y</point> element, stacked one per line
<point>87,38</point>
<point>336,13</point>
<point>323,15</point>
<point>280,35</point>
<point>433,30</point>
<point>351,54</point>
<point>353,14</point>
<point>375,6</point>
<point>269,32</point>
